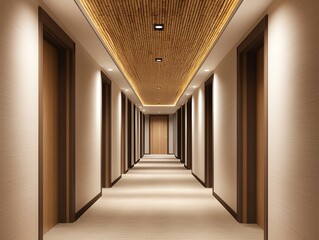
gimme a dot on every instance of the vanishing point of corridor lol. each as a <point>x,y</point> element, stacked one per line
<point>157,199</point>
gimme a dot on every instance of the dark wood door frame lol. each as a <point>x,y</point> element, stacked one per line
<point>179,137</point>
<point>106,163</point>
<point>144,134</point>
<point>129,134</point>
<point>134,133</point>
<point>141,135</point>
<point>123,128</point>
<point>51,32</point>
<point>209,164</point>
<point>256,39</point>
<point>189,134</point>
<point>183,134</point>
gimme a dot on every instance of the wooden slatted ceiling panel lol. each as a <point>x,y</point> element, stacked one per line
<point>191,29</point>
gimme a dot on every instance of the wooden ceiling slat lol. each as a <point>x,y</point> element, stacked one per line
<point>191,29</point>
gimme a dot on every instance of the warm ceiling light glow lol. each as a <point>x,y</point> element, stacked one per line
<point>126,90</point>
<point>158,27</point>
<point>187,94</point>
<point>206,70</point>
<point>194,86</point>
<point>158,88</point>
<point>138,69</point>
<point>158,59</point>
<point>110,70</point>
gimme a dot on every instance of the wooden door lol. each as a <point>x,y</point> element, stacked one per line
<point>50,137</point>
<point>159,134</point>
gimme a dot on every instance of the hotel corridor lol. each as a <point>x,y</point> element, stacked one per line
<point>157,199</point>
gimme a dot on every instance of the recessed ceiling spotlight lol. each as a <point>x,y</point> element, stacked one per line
<point>206,70</point>
<point>194,86</point>
<point>158,26</point>
<point>140,107</point>
<point>110,69</point>
<point>187,94</point>
<point>126,90</point>
<point>158,59</point>
<point>158,87</point>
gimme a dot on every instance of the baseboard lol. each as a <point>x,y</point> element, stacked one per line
<point>185,166</point>
<point>115,181</point>
<point>138,160</point>
<point>176,157</point>
<point>126,171</point>
<point>225,205</point>
<point>87,206</point>
<point>198,179</point>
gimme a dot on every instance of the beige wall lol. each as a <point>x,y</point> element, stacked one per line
<point>19,119</point>
<point>198,133</point>
<point>294,120</point>
<point>225,130</point>
<point>116,131</point>
<point>87,128</point>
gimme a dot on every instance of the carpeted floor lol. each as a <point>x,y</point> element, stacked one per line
<point>157,199</point>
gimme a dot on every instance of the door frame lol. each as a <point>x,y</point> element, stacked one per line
<point>257,38</point>
<point>49,30</point>
<point>209,142</point>
<point>189,134</point>
<point>123,129</point>
<point>149,125</point>
<point>106,183</point>
<point>129,133</point>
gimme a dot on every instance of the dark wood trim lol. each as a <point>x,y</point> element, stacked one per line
<point>222,202</point>
<point>129,133</point>
<point>123,128</point>
<point>106,157</point>
<point>209,132</point>
<point>183,134</point>
<point>87,206</point>
<point>245,55</point>
<point>51,32</point>
<point>198,179</point>
<point>134,133</point>
<point>179,137</point>
<point>116,180</point>
<point>189,135</point>
<point>143,135</point>
<point>138,160</point>
<point>167,118</point>
<point>266,226</point>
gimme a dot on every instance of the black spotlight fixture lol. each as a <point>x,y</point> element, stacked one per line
<point>158,59</point>
<point>158,26</point>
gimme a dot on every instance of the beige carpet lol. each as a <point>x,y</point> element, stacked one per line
<point>157,199</point>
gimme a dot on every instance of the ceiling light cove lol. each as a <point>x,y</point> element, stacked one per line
<point>124,27</point>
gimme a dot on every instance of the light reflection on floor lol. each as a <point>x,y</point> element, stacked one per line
<point>157,199</point>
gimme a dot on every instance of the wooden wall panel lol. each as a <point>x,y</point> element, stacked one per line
<point>159,134</point>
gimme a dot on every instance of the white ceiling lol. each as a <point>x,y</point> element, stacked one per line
<point>77,25</point>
